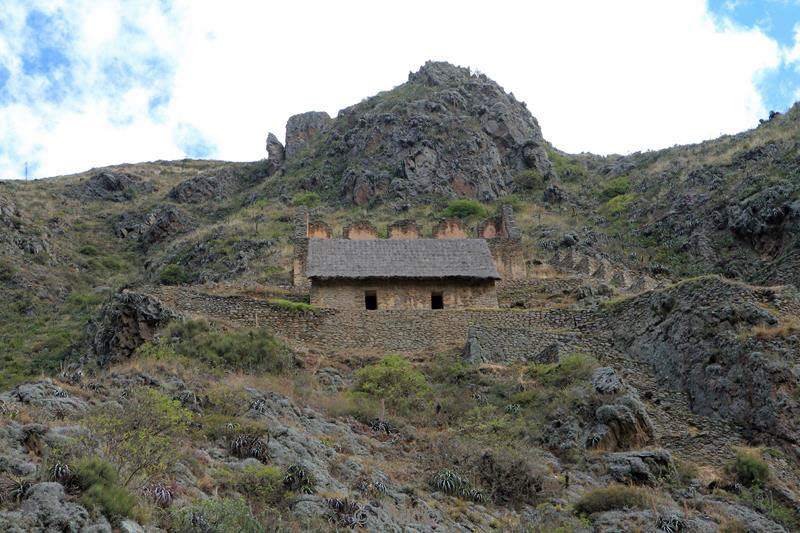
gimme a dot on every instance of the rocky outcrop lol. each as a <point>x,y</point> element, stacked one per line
<point>696,337</point>
<point>199,189</point>
<point>275,154</point>
<point>47,509</point>
<point>301,128</point>
<point>446,132</point>
<point>48,396</point>
<point>112,187</point>
<point>126,322</point>
<point>168,222</point>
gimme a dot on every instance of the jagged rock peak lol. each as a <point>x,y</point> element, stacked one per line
<point>301,128</point>
<point>446,132</point>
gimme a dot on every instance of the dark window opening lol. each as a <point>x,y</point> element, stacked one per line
<point>437,300</point>
<point>371,300</point>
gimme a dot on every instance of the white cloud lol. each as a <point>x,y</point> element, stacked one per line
<point>601,77</point>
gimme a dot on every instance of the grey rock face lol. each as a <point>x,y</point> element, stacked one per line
<point>446,131</point>
<point>199,189</point>
<point>623,424</point>
<point>275,154</point>
<point>112,187</point>
<point>300,128</point>
<point>644,467</point>
<point>126,322</point>
<point>691,336</point>
<point>45,394</point>
<point>45,509</point>
<point>606,381</point>
<point>168,222</point>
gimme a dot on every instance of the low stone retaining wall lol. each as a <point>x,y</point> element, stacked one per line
<point>386,330</point>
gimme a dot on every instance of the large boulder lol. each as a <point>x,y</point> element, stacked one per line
<point>46,395</point>
<point>301,128</point>
<point>200,188</point>
<point>169,221</point>
<point>125,323</point>
<point>112,187</point>
<point>47,510</point>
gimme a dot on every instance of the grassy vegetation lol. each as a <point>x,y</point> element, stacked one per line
<point>614,497</point>
<point>465,208</point>
<point>254,350</point>
<point>394,381</point>
<point>292,305</point>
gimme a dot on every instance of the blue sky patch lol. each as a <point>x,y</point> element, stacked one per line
<point>778,19</point>
<point>193,143</point>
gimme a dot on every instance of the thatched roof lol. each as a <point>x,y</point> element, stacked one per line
<point>389,258</point>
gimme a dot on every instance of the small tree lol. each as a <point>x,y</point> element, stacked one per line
<point>141,438</point>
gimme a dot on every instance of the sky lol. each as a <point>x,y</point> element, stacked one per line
<point>89,83</point>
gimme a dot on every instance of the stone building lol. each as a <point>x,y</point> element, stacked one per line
<point>401,273</point>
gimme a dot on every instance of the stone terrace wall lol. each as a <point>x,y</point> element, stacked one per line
<point>388,330</point>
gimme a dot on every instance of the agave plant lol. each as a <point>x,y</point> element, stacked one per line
<point>159,494</point>
<point>298,479</point>
<point>246,445</point>
<point>383,426</point>
<point>259,406</point>
<point>8,408</point>
<point>449,482</point>
<point>476,495</point>
<point>188,398</point>
<point>61,472</point>
<point>13,488</point>
<point>346,513</point>
<point>512,409</point>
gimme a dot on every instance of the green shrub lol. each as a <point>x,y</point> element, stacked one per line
<point>141,437</point>
<point>308,199</point>
<point>294,306</point>
<point>615,187</point>
<point>620,203</point>
<point>528,180</point>
<point>566,169</point>
<point>226,514</point>
<point>256,482</point>
<point>570,369</point>
<point>394,380</point>
<point>465,208</point>
<point>90,471</point>
<point>7,270</point>
<point>99,482</point>
<point>114,502</point>
<point>612,498</point>
<point>88,250</point>
<point>748,469</point>
<point>174,274</point>
<point>508,477</point>
<point>241,349</point>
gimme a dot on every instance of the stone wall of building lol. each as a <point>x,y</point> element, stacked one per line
<point>397,330</point>
<point>360,231</point>
<point>404,294</point>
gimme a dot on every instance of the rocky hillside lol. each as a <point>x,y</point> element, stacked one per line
<point>446,132</point>
<point>662,286</point>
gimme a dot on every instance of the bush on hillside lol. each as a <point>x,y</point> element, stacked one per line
<point>394,380</point>
<point>140,438</point>
<point>465,208</point>
<point>570,369</point>
<point>613,498</point>
<point>241,349</point>
<point>226,514</point>
<point>748,469</point>
<point>174,274</point>
<point>615,187</point>
<point>308,199</point>
<point>99,482</point>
